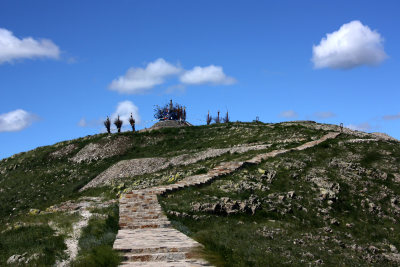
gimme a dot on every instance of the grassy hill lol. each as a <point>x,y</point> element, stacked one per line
<point>334,204</point>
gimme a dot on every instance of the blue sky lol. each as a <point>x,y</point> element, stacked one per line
<point>89,59</point>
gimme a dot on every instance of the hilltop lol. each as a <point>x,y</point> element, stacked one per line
<point>335,202</point>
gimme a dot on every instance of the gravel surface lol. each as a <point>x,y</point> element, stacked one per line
<point>133,167</point>
<point>96,151</point>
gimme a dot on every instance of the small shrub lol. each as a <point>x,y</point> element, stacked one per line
<point>208,119</point>
<point>118,123</point>
<point>132,122</point>
<point>371,157</point>
<point>107,124</point>
<point>201,171</point>
<point>217,119</point>
<point>226,119</point>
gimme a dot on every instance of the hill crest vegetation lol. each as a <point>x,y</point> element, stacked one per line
<point>336,203</point>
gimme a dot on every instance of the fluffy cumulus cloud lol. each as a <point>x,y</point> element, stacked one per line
<point>288,114</point>
<point>13,48</point>
<point>364,127</point>
<point>392,117</point>
<point>140,80</point>
<point>324,114</point>
<point>354,44</point>
<point>203,75</point>
<point>124,110</point>
<point>16,120</point>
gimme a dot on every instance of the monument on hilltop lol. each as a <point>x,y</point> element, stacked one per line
<point>170,115</point>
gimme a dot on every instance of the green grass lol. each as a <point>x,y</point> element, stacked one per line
<point>36,180</point>
<point>237,240</point>
<point>32,234</point>
<point>39,239</point>
<point>97,239</point>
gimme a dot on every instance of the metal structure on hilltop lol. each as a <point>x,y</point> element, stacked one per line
<point>170,112</point>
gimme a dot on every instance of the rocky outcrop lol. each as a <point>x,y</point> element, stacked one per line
<point>229,206</point>
<point>105,149</point>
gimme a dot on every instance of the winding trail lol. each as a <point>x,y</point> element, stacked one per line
<point>133,167</point>
<point>146,237</point>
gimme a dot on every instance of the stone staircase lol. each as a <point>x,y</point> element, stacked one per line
<point>146,237</point>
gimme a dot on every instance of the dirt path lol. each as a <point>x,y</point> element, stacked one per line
<point>146,237</point>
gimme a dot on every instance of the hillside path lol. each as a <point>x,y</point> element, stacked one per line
<point>133,167</point>
<point>146,237</point>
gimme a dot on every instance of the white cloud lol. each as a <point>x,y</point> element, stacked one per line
<point>354,44</point>
<point>16,120</point>
<point>288,114</point>
<point>90,123</point>
<point>82,122</point>
<point>360,127</point>
<point>210,74</point>
<point>140,80</point>
<point>12,48</point>
<point>392,117</point>
<point>124,110</point>
<point>324,114</point>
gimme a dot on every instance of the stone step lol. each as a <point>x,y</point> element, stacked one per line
<point>137,207</point>
<point>178,263</point>
<point>136,221</point>
<point>169,256</point>
<point>128,212</point>
<point>133,201</point>
<point>142,213</point>
<point>144,225</point>
<point>143,217</point>
<point>156,249</point>
<point>139,210</point>
<point>139,239</point>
